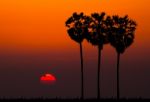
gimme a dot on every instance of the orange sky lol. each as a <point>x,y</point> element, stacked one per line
<point>36,24</point>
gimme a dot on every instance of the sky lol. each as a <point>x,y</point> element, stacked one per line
<point>34,41</point>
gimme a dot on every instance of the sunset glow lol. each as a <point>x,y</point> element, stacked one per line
<point>34,23</point>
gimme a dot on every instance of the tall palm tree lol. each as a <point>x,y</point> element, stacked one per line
<point>121,36</point>
<point>76,30</point>
<point>97,36</point>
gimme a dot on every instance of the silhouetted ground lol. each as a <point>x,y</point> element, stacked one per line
<point>75,100</point>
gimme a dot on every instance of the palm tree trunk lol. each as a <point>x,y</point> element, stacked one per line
<point>118,87</point>
<point>98,73</point>
<point>82,79</point>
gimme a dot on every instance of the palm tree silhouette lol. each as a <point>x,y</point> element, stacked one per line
<point>121,35</point>
<point>77,29</point>
<point>97,36</point>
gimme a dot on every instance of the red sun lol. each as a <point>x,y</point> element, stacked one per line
<point>48,79</point>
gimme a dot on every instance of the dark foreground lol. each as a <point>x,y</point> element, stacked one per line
<point>76,100</point>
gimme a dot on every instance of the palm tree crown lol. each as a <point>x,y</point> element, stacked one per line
<point>76,24</point>
<point>122,33</point>
<point>97,30</point>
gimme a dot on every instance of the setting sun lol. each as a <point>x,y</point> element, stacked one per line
<point>48,79</point>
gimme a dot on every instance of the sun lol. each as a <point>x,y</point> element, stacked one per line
<point>48,79</point>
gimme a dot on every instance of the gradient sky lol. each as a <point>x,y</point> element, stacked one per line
<point>33,41</point>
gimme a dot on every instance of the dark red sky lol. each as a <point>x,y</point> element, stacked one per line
<point>33,41</point>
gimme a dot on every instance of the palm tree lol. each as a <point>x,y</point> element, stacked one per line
<point>97,37</point>
<point>121,36</point>
<point>76,30</point>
